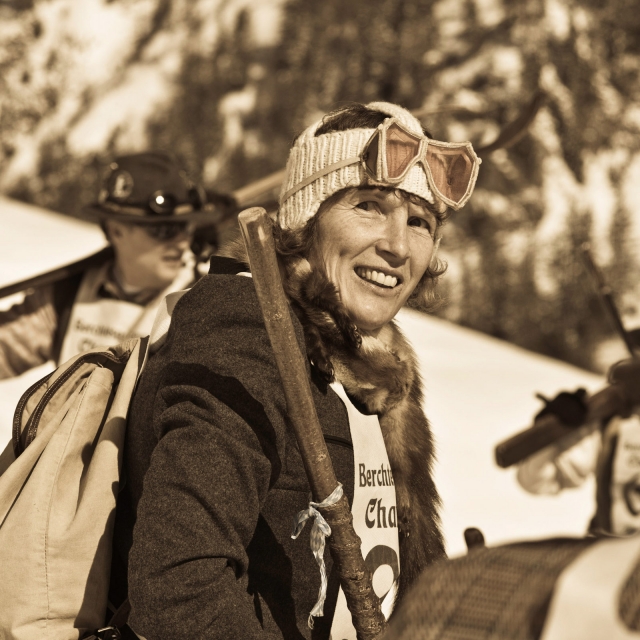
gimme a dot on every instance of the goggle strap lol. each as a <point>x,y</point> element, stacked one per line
<point>319,174</point>
<point>142,212</point>
<point>117,208</point>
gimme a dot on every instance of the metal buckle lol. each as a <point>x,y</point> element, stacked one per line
<point>108,633</point>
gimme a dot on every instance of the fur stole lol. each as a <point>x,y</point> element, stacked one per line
<point>380,374</point>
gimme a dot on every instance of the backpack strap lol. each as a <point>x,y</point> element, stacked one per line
<point>117,628</point>
<point>64,295</point>
<point>66,288</point>
<point>121,615</point>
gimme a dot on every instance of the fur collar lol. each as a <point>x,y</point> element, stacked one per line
<point>381,376</point>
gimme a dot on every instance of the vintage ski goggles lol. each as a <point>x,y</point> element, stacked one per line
<point>160,203</point>
<point>164,203</point>
<point>451,167</point>
<point>167,230</point>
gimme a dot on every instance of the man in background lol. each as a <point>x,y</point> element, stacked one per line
<point>148,210</point>
<point>611,452</point>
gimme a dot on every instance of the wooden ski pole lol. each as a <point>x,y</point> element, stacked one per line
<point>549,429</point>
<point>606,295</point>
<point>344,543</point>
<point>619,398</point>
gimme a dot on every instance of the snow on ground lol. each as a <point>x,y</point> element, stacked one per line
<point>478,391</point>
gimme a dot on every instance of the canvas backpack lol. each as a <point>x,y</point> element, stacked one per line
<point>59,480</point>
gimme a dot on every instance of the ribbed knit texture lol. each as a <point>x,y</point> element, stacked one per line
<point>499,593</point>
<point>311,153</point>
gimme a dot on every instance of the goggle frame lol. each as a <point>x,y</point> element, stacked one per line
<point>422,145</point>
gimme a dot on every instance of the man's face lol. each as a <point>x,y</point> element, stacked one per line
<point>144,261</point>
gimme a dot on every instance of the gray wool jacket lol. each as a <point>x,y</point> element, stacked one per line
<point>214,479</point>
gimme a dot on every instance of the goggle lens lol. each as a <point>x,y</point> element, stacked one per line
<point>402,149</point>
<point>162,203</point>
<point>167,230</point>
<point>451,170</point>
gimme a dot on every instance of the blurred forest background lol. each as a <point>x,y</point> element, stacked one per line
<point>227,84</point>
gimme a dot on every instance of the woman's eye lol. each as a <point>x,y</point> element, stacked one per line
<point>420,222</point>
<point>366,205</point>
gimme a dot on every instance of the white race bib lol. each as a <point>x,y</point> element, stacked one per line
<point>103,322</point>
<point>625,478</point>
<point>586,597</point>
<point>375,515</point>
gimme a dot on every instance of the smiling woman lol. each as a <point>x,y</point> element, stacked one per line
<point>377,265</point>
<point>214,473</point>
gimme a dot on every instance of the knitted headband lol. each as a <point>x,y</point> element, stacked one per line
<point>320,166</point>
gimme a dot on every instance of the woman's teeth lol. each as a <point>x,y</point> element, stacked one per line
<point>377,277</point>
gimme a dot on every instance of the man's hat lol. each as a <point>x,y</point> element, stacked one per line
<point>149,188</point>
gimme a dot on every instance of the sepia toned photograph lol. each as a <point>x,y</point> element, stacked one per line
<point>319,319</point>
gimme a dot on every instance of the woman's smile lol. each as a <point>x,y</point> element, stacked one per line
<point>377,277</point>
<point>374,245</point>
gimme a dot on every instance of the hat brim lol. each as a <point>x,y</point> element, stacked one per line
<point>96,213</point>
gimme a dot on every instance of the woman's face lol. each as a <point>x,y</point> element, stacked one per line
<point>375,246</point>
